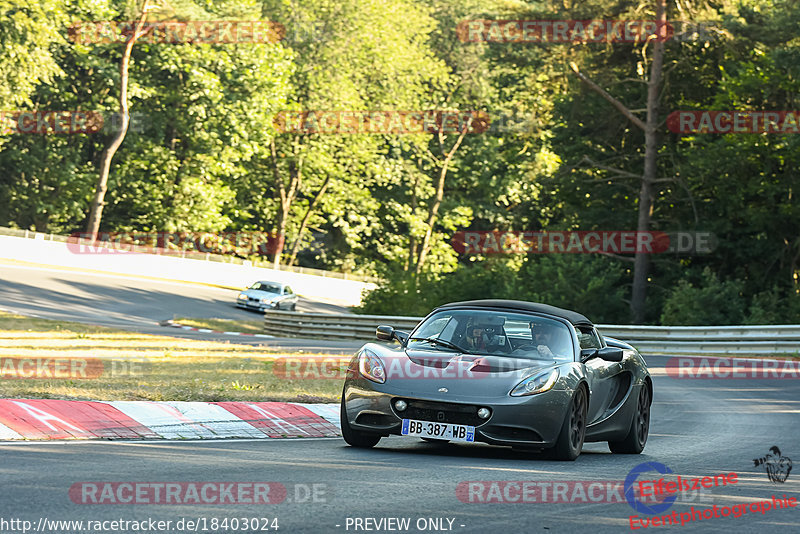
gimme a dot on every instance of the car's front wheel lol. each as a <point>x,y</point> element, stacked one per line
<point>635,441</point>
<point>573,431</point>
<point>353,437</point>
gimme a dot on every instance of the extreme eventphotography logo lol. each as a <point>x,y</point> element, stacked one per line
<point>777,466</point>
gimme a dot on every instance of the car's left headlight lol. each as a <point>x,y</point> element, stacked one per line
<point>536,384</point>
<point>242,296</point>
<point>371,367</point>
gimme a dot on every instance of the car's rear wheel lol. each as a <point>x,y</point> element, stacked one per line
<point>573,431</point>
<point>636,439</point>
<point>356,438</point>
<point>293,306</point>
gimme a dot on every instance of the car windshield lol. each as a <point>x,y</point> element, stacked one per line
<point>497,333</point>
<point>266,286</point>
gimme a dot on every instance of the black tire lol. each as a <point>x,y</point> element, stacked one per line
<point>293,306</point>
<point>573,431</point>
<point>354,438</point>
<point>636,439</point>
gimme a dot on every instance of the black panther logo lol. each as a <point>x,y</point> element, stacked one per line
<point>778,467</point>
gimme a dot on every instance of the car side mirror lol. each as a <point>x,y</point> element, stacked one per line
<point>388,333</point>
<point>384,333</point>
<point>610,354</point>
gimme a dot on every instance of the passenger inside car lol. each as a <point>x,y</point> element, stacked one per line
<point>548,340</point>
<point>486,334</point>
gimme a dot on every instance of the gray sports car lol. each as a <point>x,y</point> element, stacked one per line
<point>503,372</point>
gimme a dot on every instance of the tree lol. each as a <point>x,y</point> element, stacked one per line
<point>28,30</point>
<point>351,55</point>
<point>649,176</point>
<point>96,207</point>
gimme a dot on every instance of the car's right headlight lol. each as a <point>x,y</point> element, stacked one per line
<point>242,296</point>
<point>536,384</point>
<point>371,367</point>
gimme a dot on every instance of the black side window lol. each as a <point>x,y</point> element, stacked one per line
<point>589,338</point>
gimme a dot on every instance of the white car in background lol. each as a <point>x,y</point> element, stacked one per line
<point>265,295</point>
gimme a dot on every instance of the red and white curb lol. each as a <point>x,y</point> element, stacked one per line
<point>36,419</point>
<point>173,324</point>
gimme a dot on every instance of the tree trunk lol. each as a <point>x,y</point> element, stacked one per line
<point>280,234</point>
<point>96,208</point>
<point>286,197</point>
<point>433,210</point>
<point>412,241</point>
<point>306,217</point>
<point>641,263</point>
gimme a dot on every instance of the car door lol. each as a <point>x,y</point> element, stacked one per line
<point>603,376</point>
<point>291,296</point>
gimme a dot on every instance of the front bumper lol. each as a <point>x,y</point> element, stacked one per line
<point>525,422</point>
<point>256,305</point>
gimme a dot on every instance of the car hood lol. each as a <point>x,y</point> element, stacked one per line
<point>258,294</point>
<point>476,363</point>
<point>416,371</point>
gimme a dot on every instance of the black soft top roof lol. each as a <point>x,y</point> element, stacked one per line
<point>573,317</point>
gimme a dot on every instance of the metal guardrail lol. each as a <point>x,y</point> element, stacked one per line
<point>328,326</point>
<point>719,340</point>
<point>678,340</point>
<point>30,234</point>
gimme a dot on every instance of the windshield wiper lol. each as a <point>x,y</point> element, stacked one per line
<point>442,342</point>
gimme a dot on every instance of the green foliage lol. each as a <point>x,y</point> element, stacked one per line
<point>771,307</point>
<point>587,283</point>
<point>405,295</point>
<point>710,301</point>
<point>595,285</point>
<point>28,31</point>
<point>45,182</point>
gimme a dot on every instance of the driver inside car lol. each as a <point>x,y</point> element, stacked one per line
<point>542,336</point>
<point>543,342</point>
<point>483,335</point>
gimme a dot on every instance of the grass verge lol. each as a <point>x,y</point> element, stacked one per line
<point>144,367</point>
<point>224,325</point>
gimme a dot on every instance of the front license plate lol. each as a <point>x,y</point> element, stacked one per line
<point>428,429</point>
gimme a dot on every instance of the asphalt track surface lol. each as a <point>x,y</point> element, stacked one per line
<point>138,304</point>
<point>699,428</point>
